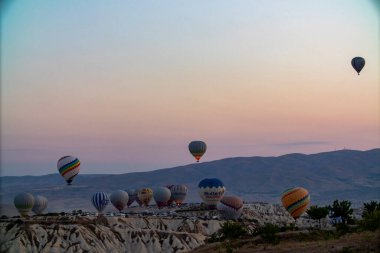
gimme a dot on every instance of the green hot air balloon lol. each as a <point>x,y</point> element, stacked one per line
<point>24,202</point>
<point>197,149</point>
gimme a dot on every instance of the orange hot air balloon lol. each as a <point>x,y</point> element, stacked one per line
<point>295,200</point>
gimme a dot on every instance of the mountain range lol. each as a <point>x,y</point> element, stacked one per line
<point>344,174</point>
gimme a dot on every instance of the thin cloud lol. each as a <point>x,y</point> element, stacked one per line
<point>304,143</point>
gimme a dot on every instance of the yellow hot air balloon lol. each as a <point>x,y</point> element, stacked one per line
<point>295,200</point>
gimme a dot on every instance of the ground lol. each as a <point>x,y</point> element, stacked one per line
<point>299,242</point>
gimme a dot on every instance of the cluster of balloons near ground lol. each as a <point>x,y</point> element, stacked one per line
<point>211,190</point>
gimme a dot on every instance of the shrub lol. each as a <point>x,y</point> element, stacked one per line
<point>317,213</point>
<point>371,221</point>
<point>370,207</point>
<point>232,230</point>
<point>341,212</point>
<point>268,233</point>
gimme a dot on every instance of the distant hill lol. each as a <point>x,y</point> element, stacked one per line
<point>345,174</point>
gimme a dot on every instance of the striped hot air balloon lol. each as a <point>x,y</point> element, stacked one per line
<point>40,204</point>
<point>161,195</point>
<point>68,167</point>
<point>119,199</point>
<point>230,207</point>
<point>24,203</point>
<point>179,193</point>
<point>197,149</point>
<point>100,200</point>
<point>295,200</point>
<point>211,191</point>
<point>145,196</point>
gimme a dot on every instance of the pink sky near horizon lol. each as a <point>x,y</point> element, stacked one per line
<point>126,86</point>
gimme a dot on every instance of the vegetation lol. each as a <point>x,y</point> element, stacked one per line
<point>371,221</point>
<point>341,212</point>
<point>317,213</point>
<point>268,233</point>
<point>232,230</point>
<point>371,207</point>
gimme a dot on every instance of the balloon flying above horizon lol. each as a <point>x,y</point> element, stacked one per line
<point>68,167</point>
<point>197,149</point>
<point>358,64</point>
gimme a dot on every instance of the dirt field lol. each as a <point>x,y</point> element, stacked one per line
<point>299,242</point>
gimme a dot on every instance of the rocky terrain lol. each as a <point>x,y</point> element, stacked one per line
<point>185,232</point>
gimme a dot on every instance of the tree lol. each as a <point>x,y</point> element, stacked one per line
<point>317,213</point>
<point>232,230</point>
<point>370,207</point>
<point>341,210</point>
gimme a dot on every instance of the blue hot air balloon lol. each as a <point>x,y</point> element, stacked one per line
<point>100,200</point>
<point>358,64</point>
<point>211,190</point>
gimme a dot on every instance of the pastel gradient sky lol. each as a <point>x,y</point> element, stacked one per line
<point>126,85</point>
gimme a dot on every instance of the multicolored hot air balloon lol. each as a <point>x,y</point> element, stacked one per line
<point>132,193</point>
<point>119,199</point>
<point>295,201</point>
<point>230,207</point>
<point>161,195</point>
<point>179,193</point>
<point>211,190</point>
<point>358,64</point>
<point>24,203</point>
<point>145,196</point>
<point>197,149</point>
<point>40,204</point>
<point>100,200</point>
<point>68,167</point>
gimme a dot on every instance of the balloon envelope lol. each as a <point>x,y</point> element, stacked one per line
<point>178,193</point>
<point>230,207</point>
<point>119,199</point>
<point>211,191</point>
<point>100,200</point>
<point>295,200</point>
<point>68,167</point>
<point>40,204</point>
<point>132,193</point>
<point>161,195</point>
<point>197,149</point>
<point>145,196</point>
<point>358,63</point>
<point>24,203</point>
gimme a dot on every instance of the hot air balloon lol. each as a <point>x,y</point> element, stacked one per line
<point>161,195</point>
<point>100,200</point>
<point>170,201</point>
<point>179,193</point>
<point>40,204</point>
<point>230,207</point>
<point>132,193</point>
<point>197,149</point>
<point>211,190</point>
<point>145,196</point>
<point>295,201</point>
<point>119,199</point>
<point>358,64</point>
<point>24,203</point>
<point>68,167</point>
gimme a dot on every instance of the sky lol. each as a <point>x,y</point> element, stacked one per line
<point>126,85</point>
